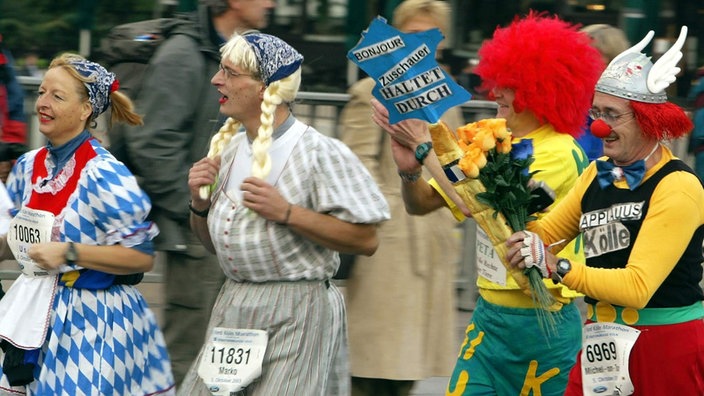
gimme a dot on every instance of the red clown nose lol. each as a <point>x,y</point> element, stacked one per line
<point>600,129</point>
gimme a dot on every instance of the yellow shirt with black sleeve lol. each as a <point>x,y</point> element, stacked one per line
<point>559,161</point>
<point>675,215</point>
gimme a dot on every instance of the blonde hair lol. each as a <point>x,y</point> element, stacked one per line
<point>121,106</point>
<point>438,10</point>
<point>282,91</point>
<point>278,92</point>
<point>609,40</point>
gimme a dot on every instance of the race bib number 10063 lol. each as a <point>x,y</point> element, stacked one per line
<point>29,227</point>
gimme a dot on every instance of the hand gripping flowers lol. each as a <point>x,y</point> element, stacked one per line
<point>491,176</point>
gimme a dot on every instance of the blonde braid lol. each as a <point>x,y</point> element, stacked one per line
<point>261,166</point>
<point>217,144</point>
<point>281,91</point>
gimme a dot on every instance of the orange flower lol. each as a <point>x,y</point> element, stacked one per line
<point>503,146</point>
<point>498,127</point>
<point>464,146</point>
<point>485,139</point>
<point>477,138</point>
<point>474,159</point>
<point>465,134</point>
<point>471,143</point>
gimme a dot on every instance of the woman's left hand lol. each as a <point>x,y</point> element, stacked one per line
<point>264,199</point>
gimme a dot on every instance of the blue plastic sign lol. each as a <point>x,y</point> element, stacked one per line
<point>409,81</point>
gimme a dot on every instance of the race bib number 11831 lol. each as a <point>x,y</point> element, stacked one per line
<point>232,359</point>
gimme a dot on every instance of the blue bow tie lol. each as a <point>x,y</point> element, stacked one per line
<point>608,172</point>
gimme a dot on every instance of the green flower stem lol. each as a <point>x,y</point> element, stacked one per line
<point>507,192</point>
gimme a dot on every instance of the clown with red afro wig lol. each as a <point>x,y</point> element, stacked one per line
<point>551,67</point>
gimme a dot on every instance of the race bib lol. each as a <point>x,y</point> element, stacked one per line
<point>605,351</point>
<point>489,264</point>
<point>29,227</point>
<point>232,359</point>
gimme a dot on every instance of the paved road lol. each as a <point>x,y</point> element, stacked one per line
<point>434,386</point>
<point>154,294</point>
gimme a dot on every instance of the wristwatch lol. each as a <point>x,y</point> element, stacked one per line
<point>422,151</point>
<point>563,267</point>
<point>408,177</point>
<point>71,254</point>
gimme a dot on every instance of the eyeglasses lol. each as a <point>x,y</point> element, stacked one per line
<point>230,73</point>
<point>609,118</point>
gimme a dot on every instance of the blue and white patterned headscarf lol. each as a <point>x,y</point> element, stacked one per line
<point>101,83</point>
<point>276,58</point>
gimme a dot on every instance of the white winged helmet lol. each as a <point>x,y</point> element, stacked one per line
<point>631,75</point>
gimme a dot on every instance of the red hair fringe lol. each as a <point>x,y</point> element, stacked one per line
<point>550,65</point>
<point>662,121</point>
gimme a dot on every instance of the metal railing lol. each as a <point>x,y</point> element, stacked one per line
<point>319,109</point>
<point>322,111</point>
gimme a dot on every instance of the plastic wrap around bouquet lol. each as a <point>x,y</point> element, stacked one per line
<point>490,174</point>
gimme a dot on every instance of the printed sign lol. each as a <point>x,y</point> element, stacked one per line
<point>409,81</point>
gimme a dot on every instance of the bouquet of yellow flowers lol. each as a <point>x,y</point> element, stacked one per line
<point>491,176</point>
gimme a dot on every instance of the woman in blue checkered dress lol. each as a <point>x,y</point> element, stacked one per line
<point>73,322</point>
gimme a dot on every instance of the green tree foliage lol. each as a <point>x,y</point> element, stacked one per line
<point>52,26</point>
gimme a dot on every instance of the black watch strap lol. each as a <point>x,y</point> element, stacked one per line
<point>71,254</point>
<point>199,213</point>
<point>562,268</point>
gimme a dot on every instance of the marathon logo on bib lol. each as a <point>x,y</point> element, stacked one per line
<point>409,81</point>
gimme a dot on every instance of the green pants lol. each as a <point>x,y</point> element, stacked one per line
<point>506,352</point>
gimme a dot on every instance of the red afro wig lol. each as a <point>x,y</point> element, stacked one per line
<point>551,67</point>
<point>661,121</point>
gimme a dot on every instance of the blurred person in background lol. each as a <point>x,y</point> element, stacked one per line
<point>610,41</point>
<point>471,80</point>
<point>13,127</point>
<point>696,142</point>
<point>181,113</point>
<point>30,65</point>
<point>401,302</point>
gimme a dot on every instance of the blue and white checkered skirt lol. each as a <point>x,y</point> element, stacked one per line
<point>100,342</point>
